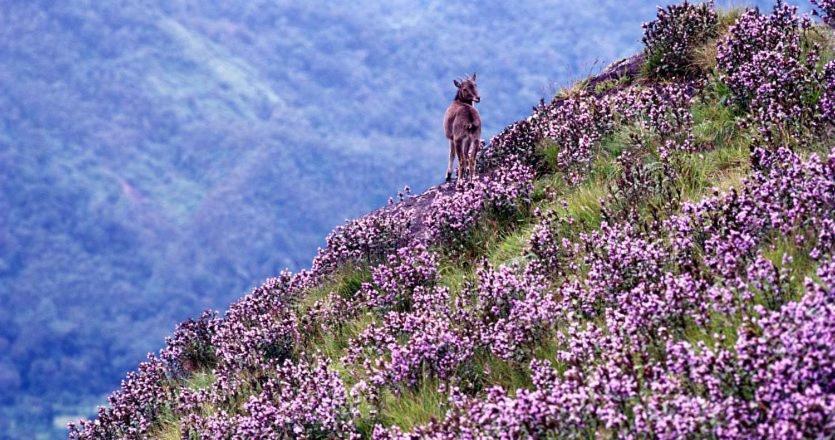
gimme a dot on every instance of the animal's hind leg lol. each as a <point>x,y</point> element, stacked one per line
<point>459,152</point>
<point>475,145</point>
<point>465,157</point>
<point>451,160</point>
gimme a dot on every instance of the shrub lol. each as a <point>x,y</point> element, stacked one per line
<point>133,408</point>
<point>671,39</point>
<point>302,400</point>
<point>364,240</point>
<point>826,9</point>
<point>763,63</point>
<point>827,105</point>
<point>190,347</point>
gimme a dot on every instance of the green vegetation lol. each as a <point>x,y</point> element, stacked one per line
<point>158,159</point>
<point>722,161</point>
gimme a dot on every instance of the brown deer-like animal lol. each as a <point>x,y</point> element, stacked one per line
<point>462,125</point>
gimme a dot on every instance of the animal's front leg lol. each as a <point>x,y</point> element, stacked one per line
<point>451,160</point>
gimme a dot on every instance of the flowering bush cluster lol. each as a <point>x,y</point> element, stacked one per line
<point>408,347</point>
<point>256,334</point>
<point>303,400</point>
<point>550,245</point>
<point>670,39</point>
<point>663,110</point>
<point>509,313</point>
<point>621,309</point>
<point>828,99</point>
<point>632,375</point>
<point>826,9</point>
<point>260,328</point>
<point>576,125</point>
<point>762,61</point>
<point>133,408</point>
<point>452,216</point>
<point>396,281</point>
<point>786,196</point>
<point>517,142</point>
<point>363,240</point>
<point>190,347</point>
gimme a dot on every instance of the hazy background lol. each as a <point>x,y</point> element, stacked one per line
<point>161,157</point>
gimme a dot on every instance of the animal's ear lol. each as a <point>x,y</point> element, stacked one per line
<point>473,76</point>
<point>457,83</point>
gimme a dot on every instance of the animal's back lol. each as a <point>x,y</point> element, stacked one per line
<point>461,120</point>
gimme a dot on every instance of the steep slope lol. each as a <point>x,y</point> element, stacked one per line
<point>159,158</point>
<point>155,156</point>
<point>590,282</point>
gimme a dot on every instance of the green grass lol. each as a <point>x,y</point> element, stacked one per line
<point>345,282</point>
<point>714,124</point>
<point>725,156</point>
<point>454,276</point>
<point>501,239</point>
<point>800,267</point>
<point>508,374</point>
<point>612,84</point>
<point>168,426</point>
<point>722,169</point>
<point>823,37</point>
<point>333,344</point>
<point>200,380</point>
<point>511,248</point>
<point>704,56</point>
<point>726,326</point>
<point>573,90</point>
<point>414,407</point>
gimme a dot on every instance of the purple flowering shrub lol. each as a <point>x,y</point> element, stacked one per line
<point>396,280</point>
<point>664,111</point>
<point>455,214</point>
<point>763,62</point>
<point>260,328</point>
<point>452,216</point>
<point>789,197</point>
<point>791,361</point>
<point>826,9</point>
<point>133,407</point>
<point>190,347</point>
<point>517,142</point>
<point>550,244</point>
<point>576,125</point>
<point>827,104</point>
<point>408,347</point>
<point>363,240</point>
<point>643,187</point>
<point>509,313</point>
<point>301,400</point>
<point>670,39</point>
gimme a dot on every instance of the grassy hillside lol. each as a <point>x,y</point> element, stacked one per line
<point>648,254</point>
<point>162,157</point>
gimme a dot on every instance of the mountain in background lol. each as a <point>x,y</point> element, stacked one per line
<point>159,159</point>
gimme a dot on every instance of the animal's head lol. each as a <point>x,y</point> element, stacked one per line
<point>467,89</point>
